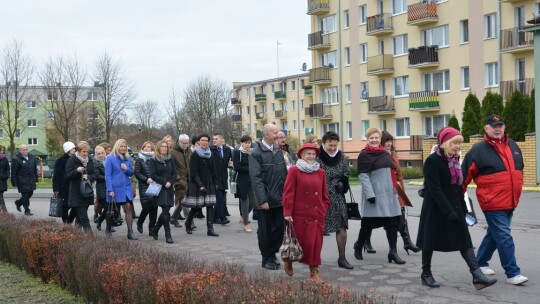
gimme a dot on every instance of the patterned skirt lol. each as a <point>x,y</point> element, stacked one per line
<point>195,199</point>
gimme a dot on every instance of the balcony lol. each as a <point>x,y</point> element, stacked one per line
<point>320,75</point>
<point>524,86</point>
<point>236,101</point>
<point>280,95</point>
<point>236,117</point>
<point>423,57</point>
<point>382,105</point>
<point>318,41</point>
<point>516,40</point>
<point>424,101</point>
<point>280,114</point>
<point>319,111</point>
<point>380,64</point>
<point>308,91</point>
<point>261,116</point>
<point>318,7</point>
<point>259,134</point>
<point>422,13</point>
<point>380,24</point>
<point>260,97</point>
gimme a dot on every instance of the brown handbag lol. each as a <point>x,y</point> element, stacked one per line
<point>290,249</point>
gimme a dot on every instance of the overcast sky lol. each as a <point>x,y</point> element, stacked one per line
<point>165,43</point>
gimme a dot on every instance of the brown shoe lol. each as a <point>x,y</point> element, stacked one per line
<point>288,268</point>
<point>314,273</point>
<point>176,224</point>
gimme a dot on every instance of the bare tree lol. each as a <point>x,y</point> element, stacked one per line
<point>147,116</point>
<point>16,72</point>
<point>63,82</point>
<point>175,112</point>
<point>116,91</point>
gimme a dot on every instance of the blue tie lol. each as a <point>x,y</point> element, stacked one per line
<point>220,150</point>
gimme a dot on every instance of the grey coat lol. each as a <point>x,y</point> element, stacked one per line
<point>267,172</point>
<point>378,184</point>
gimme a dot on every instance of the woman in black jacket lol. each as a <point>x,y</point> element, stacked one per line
<point>101,188</point>
<point>80,167</point>
<point>243,182</point>
<point>61,184</point>
<point>4,175</point>
<point>163,172</point>
<point>142,173</point>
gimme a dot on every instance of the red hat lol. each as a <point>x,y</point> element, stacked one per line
<point>447,133</point>
<point>308,146</point>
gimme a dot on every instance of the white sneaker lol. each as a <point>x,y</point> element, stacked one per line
<point>487,271</point>
<point>517,280</point>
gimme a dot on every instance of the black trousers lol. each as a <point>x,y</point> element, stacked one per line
<point>270,232</point>
<point>25,200</point>
<point>82,214</point>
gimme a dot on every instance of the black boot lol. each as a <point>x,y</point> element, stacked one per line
<point>426,276</point>
<point>167,228</point>
<point>209,222</point>
<point>108,223</point>
<point>404,231</point>
<point>130,235</point>
<point>158,225</point>
<point>189,221</point>
<point>358,251</point>
<point>480,280</point>
<point>368,248</point>
<point>393,256</point>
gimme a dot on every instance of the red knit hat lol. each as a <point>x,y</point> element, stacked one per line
<point>447,133</point>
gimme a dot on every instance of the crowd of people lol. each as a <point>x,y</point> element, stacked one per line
<point>306,189</point>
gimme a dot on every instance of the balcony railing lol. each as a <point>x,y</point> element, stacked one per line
<point>260,97</point>
<point>235,101</point>
<point>424,101</point>
<point>236,117</point>
<point>316,7</point>
<point>524,86</point>
<point>259,134</point>
<point>319,111</point>
<point>280,114</point>
<point>260,116</point>
<point>381,104</point>
<point>280,95</point>
<point>380,64</point>
<point>379,24</point>
<point>308,91</point>
<point>516,40</point>
<point>320,75</point>
<point>422,13</point>
<point>423,57</point>
<point>318,41</point>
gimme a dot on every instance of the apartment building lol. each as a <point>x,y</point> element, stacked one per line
<point>406,66</point>
<point>284,101</point>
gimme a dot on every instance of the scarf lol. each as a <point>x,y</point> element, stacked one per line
<point>456,176</point>
<point>306,167</point>
<point>248,152</point>
<point>98,162</point>
<point>145,155</point>
<point>203,153</point>
<point>2,156</point>
<point>83,160</point>
<point>330,160</point>
<point>162,158</point>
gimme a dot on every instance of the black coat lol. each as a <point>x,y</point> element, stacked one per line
<point>101,187</point>
<point>241,166</point>
<point>142,173</point>
<point>201,174</point>
<point>162,173</point>
<point>221,165</point>
<point>267,172</point>
<point>4,174</point>
<point>75,178</point>
<point>60,183</point>
<point>441,199</point>
<point>24,173</point>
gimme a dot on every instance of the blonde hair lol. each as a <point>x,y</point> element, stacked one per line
<point>148,143</point>
<point>158,148</point>
<point>373,130</point>
<point>310,138</point>
<point>99,149</point>
<point>82,145</point>
<point>445,145</point>
<point>117,146</point>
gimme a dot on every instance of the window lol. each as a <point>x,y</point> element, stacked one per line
<point>92,96</point>
<point>263,108</point>
<point>402,127</point>
<point>31,123</point>
<point>52,97</point>
<point>273,88</point>
<point>348,127</point>
<point>1,134</point>
<point>365,127</point>
<point>465,84</point>
<point>18,133</point>
<point>362,14</point>
<point>93,115</point>
<point>490,26</point>
<point>273,107</point>
<point>437,81</point>
<point>347,93</point>
<point>293,105</point>
<point>400,45</point>
<point>435,36</point>
<point>346,19</point>
<point>263,89</point>
<point>255,109</point>
<point>301,104</point>
<point>382,124</point>
<point>364,90</point>
<point>293,85</point>
<point>399,6</point>
<point>50,114</point>
<point>329,95</point>
<point>302,124</point>
<point>294,124</point>
<point>328,24</point>
<point>255,127</point>
<point>329,59</point>
<point>464,31</point>
<point>401,86</point>
<point>247,91</point>
<point>347,55</point>
<point>363,53</point>
<point>16,114</point>
<point>284,106</point>
<point>331,127</point>
<point>30,104</point>
<point>302,83</point>
<point>433,124</point>
<point>492,74</point>
<point>1,115</point>
<point>284,126</point>
<point>247,110</point>
<point>32,141</point>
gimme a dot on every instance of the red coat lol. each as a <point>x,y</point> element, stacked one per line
<point>305,199</point>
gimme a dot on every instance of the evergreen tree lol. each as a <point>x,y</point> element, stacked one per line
<point>497,105</point>
<point>470,124</point>
<point>514,116</point>
<point>531,127</point>
<point>486,109</point>
<point>453,122</point>
<point>472,102</point>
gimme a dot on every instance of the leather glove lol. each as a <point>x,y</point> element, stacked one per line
<point>371,200</point>
<point>339,187</point>
<point>202,190</point>
<point>453,218</point>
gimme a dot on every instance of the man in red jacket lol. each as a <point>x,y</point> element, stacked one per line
<point>496,165</point>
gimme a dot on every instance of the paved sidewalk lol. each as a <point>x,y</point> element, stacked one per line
<point>373,275</point>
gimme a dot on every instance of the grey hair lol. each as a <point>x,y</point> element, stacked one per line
<point>183,137</point>
<point>267,128</point>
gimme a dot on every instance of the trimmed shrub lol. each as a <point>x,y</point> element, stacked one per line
<point>412,173</point>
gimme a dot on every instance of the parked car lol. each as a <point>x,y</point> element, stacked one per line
<point>47,172</point>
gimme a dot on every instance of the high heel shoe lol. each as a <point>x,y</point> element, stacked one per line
<point>393,256</point>
<point>345,265</point>
<point>358,251</point>
<point>368,248</point>
<point>408,245</point>
<point>428,280</point>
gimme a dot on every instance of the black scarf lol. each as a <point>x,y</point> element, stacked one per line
<point>328,160</point>
<point>371,159</point>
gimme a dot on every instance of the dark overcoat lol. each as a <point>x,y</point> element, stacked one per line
<point>75,178</point>
<point>60,183</point>
<point>221,166</point>
<point>435,231</point>
<point>142,173</point>
<point>101,187</point>
<point>4,174</point>
<point>241,168</point>
<point>24,173</point>
<point>163,172</point>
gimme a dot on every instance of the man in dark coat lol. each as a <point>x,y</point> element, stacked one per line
<point>24,176</point>
<point>61,184</point>
<point>222,160</point>
<point>181,154</point>
<point>268,172</point>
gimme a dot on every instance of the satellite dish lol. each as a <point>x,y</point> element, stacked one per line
<point>304,66</point>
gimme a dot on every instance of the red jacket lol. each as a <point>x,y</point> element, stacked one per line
<point>497,170</point>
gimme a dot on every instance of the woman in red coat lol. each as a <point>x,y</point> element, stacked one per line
<point>305,202</point>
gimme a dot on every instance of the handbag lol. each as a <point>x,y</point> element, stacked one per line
<point>470,215</point>
<point>290,249</point>
<point>110,215</point>
<point>153,189</point>
<point>86,187</point>
<point>233,188</point>
<point>56,205</point>
<point>353,213</point>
